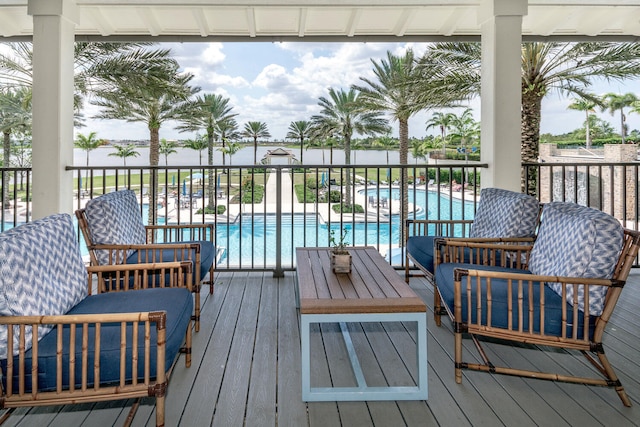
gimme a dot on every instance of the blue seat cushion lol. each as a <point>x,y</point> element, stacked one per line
<point>176,302</point>
<point>207,256</point>
<point>421,250</point>
<point>504,213</point>
<point>500,296</point>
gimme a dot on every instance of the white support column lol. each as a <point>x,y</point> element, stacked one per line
<point>53,45</point>
<point>501,100</point>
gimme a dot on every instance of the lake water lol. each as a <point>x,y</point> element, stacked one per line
<point>187,157</point>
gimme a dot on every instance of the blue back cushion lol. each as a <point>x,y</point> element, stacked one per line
<point>114,219</point>
<point>577,241</point>
<point>41,273</point>
<point>504,213</point>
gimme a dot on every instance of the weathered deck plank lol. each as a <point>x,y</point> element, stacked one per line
<point>246,371</point>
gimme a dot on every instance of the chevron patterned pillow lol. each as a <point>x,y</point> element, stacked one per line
<point>114,219</point>
<point>41,273</point>
<point>577,241</point>
<point>504,213</point>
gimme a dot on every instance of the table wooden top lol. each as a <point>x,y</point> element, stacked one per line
<point>373,286</point>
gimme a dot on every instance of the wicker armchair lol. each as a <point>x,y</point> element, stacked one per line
<point>501,216</point>
<point>115,234</point>
<point>65,341</point>
<point>558,292</point>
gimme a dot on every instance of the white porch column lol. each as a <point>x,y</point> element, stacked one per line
<point>501,101</point>
<point>53,44</point>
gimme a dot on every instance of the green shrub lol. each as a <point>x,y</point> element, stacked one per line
<point>308,196</point>
<point>342,208</point>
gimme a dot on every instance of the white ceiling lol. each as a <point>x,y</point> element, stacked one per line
<point>286,19</point>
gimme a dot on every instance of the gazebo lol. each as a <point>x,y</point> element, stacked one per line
<point>280,155</point>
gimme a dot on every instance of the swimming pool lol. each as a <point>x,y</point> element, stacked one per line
<point>251,240</point>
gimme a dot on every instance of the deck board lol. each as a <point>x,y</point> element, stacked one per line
<point>246,371</point>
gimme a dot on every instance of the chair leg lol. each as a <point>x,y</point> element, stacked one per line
<point>211,280</point>
<point>458,356</point>
<point>610,373</point>
<point>437,306</point>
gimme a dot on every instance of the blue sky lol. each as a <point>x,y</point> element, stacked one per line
<point>278,83</point>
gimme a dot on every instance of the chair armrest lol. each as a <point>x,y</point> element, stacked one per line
<point>506,252</point>
<point>153,251</point>
<point>124,277</point>
<point>179,232</point>
<point>140,322</point>
<point>440,227</point>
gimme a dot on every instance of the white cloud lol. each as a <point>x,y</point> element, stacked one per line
<point>213,54</point>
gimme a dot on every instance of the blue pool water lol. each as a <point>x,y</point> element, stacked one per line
<point>251,241</point>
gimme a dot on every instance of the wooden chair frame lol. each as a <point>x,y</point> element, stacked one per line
<point>518,256</point>
<point>154,250</point>
<point>178,272</point>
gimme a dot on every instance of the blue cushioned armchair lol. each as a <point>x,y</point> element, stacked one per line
<point>115,234</point>
<point>558,292</point>
<point>501,215</point>
<point>64,341</point>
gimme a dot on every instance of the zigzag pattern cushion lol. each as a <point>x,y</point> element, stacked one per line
<point>114,219</point>
<point>577,241</point>
<point>504,213</point>
<point>41,272</point>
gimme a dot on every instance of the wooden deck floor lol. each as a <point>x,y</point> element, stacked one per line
<point>246,372</point>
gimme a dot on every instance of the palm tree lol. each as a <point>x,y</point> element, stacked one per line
<point>464,129</point>
<point>255,130</point>
<point>387,143</point>
<point>299,130</point>
<point>342,114</point>
<point>88,143</point>
<point>418,150</point>
<point>15,113</point>
<point>228,129</point>
<point>587,106</point>
<point>166,148</point>
<point>125,151</point>
<point>98,66</point>
<point>230,149</point>
<point>199,143</point>
<point>443,122</point>
<point>153,101</point>
<point>568,68</point>
<point>208,112</point>
<point>394,93</point>
<point>616,102</point>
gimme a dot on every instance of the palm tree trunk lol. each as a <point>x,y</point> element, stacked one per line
<point>588,129</point>
<point>347,161</point>
<point>211,190</point>
<point>403,126</point>
<point>530,134</point>
<point>6,148</point>
<point>622,130</point>
<point>301,148</point>
<point>255,151</point>
<point>154,158</point>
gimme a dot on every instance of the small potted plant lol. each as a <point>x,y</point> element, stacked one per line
<point>340,256</point>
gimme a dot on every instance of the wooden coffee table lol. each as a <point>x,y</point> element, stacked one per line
<point>372,292</point>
